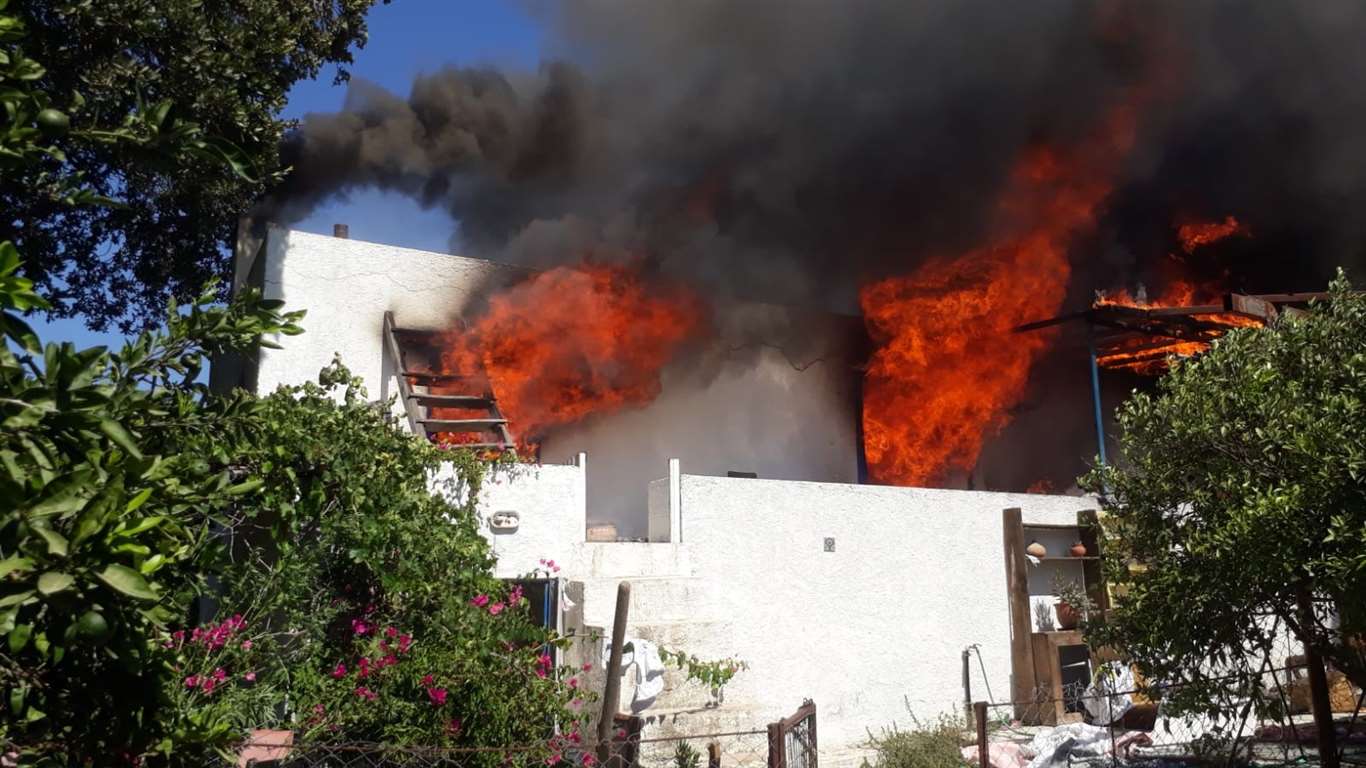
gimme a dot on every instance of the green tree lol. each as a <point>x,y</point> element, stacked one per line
<point>167,73</point>
<point>106,538</point>
<point>1239,507</point>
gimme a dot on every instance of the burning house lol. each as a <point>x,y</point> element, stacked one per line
<point>782,319</point>
<point>729,490</point>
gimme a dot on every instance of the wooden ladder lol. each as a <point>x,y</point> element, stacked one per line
<point>414,388</point>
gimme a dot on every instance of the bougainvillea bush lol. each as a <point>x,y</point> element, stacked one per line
<point>372,595</point>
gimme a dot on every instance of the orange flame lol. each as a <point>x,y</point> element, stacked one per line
<point>1194,234</point>
<point>947,368</point>
<point>572,342</point>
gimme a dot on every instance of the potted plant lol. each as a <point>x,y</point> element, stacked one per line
<point>1072,604</point>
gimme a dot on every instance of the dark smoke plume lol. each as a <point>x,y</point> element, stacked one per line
<point>788,149</point>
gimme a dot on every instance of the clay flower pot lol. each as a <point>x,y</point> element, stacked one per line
<point>1068,617</point>
<point>1036,549</point>
<point>1078,550</point>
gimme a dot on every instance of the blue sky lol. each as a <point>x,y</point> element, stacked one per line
<point>406,37</point>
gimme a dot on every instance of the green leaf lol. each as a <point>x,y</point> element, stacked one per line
<point>144,524</point>
<point>52,582</point>
<point>56,542</point>
<point>15,598</point>
<point>14,563</point>
<point>18,637</point>
<point>245,487</point>
<point>138,500</point>
<point>116,432</point>
<point>128,581</point>
<point>67,494</point>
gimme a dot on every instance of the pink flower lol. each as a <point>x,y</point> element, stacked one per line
<point>389,660</point>
<point>575,704</point>
<point>454,726</point>
<point>589,761</point>
<point>250,677</point>
<point>220,675</point>
<point>427,680</point>
<point>404,643</point>
<point>339,671</point>
<point>365,693</point>
<point>390,632</point>
<point>192,681</point>
<point>543,663</point>
<point>364,665</point>
<point>587,667</point>
<point>479,601</point>
<point>515,596</point>
<point>621,733</point>
<point>553,759</point>
<point>437,695</point>
<point>359,627</point>
<point>318,709</point>
<point>575,737</point>
<point>573,682</point>
<point>246,645</point>
<point>495,609</point>
<point>208,685</point>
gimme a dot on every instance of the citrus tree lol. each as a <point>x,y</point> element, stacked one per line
<point>123,93</point>
<point>1238,510</point>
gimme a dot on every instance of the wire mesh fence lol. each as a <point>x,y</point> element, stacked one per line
<point>1263,718</point>
<point>708,750</point>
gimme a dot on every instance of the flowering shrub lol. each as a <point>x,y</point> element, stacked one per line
<point>375,595</point>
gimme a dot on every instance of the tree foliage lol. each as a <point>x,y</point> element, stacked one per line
<point>105,536</point>
<point>137,87</point>
<point>1239,508</point>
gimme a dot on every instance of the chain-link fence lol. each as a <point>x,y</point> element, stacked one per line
<point>708,750</point>
<point>1263,718</point>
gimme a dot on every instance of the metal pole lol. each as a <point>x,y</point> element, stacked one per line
<point>1095,394</point>
<point>967,686</point>
<point>611,697</point>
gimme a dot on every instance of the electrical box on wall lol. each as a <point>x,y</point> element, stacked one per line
<point>504,521</point>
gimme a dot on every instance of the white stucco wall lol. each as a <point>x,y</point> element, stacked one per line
<point>549,501</point>
<point>917,575</point>
<point>346,286</point>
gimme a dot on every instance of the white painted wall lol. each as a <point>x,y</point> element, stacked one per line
<point>347,286</point>
<point>549,500</point>
<point>917,575</point>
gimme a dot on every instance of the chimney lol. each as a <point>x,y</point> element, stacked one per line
<point>341,230</point>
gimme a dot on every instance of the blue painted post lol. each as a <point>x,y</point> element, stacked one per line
<point>1095,394</point>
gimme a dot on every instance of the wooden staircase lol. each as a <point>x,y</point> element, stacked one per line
<point>425,392</point>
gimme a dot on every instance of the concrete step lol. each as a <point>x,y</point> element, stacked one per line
<point>653,598</point>
<point>695,636</point>
<point>629,559</point>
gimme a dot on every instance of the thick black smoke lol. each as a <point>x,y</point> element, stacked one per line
<point>789,149</point>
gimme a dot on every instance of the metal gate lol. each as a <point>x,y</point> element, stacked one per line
<point>792,740</point>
